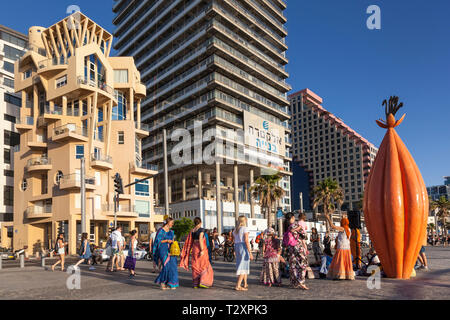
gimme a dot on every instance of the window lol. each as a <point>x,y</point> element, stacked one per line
<point>9,118</point>
<point>27,74</point>
<point>11,138</point>
<point>120,111</point>
<point>13,39</point>
<point>8,66</point>
<point>8,173</point>
<point>8,82</point>
<point>121,137</point>
<point>44,184</point>
<point>61,82</point>
<point>12,99</point>
<point>13,53</point>
<point>24,185</point>
<point>59,176</point>
<point>79,151</point>
<point>121,76</point>
<point>7,156</point>
<point>8,196</point>
<point>142,188</point>
<point>142,208</point>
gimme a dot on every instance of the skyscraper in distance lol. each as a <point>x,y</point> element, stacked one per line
<point>325,147</point>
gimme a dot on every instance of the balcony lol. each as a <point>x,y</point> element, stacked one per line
<point>38,212</point>
<point>142,129</point>
<point>39,144</point>
<point>143,168</point>
<point>73,181</point>
<point>83,81</point>
<point>52,65</point>
<point>122,211</point>
<point>49,114</point>
<point>70,132</point>
<point>24,123</point>
<point>101,161</point>
<point>39,164</point>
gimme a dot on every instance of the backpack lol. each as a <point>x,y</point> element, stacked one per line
<point>289,240</point>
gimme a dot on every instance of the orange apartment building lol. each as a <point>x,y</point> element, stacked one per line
<point>77,101</point>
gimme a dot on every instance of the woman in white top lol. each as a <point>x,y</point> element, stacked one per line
<point>60,250</point>
<point>243,253</point>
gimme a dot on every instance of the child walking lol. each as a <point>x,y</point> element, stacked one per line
<point>270,274</point>
<point>130,262</point>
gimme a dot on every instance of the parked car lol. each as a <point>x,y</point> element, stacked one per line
<point>7,255</point>
<point>140,253</point>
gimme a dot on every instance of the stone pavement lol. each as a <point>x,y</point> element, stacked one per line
<point>37,283</point>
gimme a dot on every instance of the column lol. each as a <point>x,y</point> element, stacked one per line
<point>169,187</point>
<point>252,204</point>
<point>183,185</point>
<point>199,180</point>
<point>218,200</point>
<point>64,105</point>
<point>245,192</point>
<point>138,111</point>
<point>131,107</point>
<point>133,225</point>
<point>72,236</point>
<point>236,191</point>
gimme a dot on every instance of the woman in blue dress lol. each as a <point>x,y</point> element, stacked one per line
<point>168,277</point>
<point>85,250</point>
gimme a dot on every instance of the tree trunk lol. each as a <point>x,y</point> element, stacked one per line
<point>269,214</point>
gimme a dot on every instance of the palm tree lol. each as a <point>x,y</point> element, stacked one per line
<point>268,191</point>
<point>442,207</point>
<point>327,193</point>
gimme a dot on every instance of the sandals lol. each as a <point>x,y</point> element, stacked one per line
<point>241,289</point>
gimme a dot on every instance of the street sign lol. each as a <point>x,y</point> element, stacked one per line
<point>279,214</point>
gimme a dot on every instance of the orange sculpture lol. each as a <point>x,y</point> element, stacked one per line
<point>395,201</point>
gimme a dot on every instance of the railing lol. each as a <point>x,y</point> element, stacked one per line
<point>159,210</point>
<point>70,127</point>
<point>41,51</point>
<point>52,62</point>
<point>57,110</point>
<point>25,120</point>
<point>37,210</point>
<point>40,161</point>
<point>100,157</point>
<point>142,126</point>
<point>76,177</point>
<point>97,84</point>
<point>146,166</point>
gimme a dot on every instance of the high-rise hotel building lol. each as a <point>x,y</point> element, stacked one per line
<point>220,63</point>
<point>325,147</point>
<point>78,102</point>
<point>13,45</point>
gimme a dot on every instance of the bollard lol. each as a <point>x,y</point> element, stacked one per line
<point>1,261</point>
<point>43,262</point>
<point>22,261</point>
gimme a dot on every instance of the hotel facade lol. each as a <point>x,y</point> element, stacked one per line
<point>219,65</point>
<point>78,102</point>
<point>325,147</point>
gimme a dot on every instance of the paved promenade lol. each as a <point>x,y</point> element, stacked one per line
<point>36,283</point>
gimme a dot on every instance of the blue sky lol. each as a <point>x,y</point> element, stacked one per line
<point>353,69</point>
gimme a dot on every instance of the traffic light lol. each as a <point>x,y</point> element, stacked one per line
<point>118,186</point>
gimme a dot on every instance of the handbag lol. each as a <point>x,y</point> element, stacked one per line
<point>289,240</point>
<point>175,249</point>
<point>309,273</point>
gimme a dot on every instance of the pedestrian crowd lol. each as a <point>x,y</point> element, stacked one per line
<point>288,258</point>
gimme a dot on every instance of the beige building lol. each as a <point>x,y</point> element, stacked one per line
<point>77,101</point>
